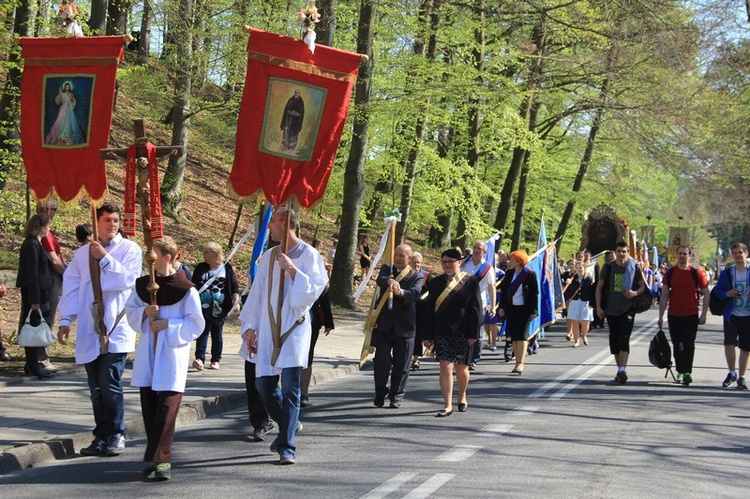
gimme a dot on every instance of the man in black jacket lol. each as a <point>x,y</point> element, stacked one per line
<point>393,335</point>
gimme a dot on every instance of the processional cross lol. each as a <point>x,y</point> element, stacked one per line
<point>144,172</point>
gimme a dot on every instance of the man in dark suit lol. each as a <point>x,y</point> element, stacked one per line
<point>395,328</point>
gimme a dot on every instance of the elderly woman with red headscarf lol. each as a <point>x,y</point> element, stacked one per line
<point>519,294</point>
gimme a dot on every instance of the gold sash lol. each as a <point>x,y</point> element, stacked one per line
<point>367,349</point>
<point>458,278</point>
<point>275,320</point>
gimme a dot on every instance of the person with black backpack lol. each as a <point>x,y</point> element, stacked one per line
<point>681,287</point>
<point>619,282</point>
<point>733,287</point>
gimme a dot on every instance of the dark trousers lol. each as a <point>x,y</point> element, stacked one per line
<point>620,328</point>
<point>33,354</point>
<point>105,384</point>
<point>682,331</point>
<point>217,341</point>
<point>159,418</point>
<point>255,407</point>
<point>392,359</point>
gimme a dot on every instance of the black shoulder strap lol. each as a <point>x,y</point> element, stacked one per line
<point>670,271</point>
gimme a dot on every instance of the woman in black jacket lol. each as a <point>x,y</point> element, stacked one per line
<point>453,317</point>
<point>519,293</point>
<point>580,313</point>
<point>35,281</point>
<point>217,300</point>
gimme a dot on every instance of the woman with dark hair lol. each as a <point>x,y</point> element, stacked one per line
<point>35,281</point>
<point>364,255</point>
<point>453,316</point>
<point>519,294</point>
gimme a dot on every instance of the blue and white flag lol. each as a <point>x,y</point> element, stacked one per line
<point>261,237</point>
<point>489,256</point>
<point>544,265</point>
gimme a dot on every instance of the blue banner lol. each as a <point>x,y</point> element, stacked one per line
<point>261,236</point>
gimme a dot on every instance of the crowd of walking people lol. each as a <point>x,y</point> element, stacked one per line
<point>416,313</point>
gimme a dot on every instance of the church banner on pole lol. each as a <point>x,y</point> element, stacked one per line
<point>67,94</point>
<point>293,112</point>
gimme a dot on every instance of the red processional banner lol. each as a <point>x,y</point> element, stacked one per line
<point>293,112</point>
<point>67,94</point>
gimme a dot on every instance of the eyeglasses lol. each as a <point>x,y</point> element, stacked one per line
<point>447,262</point>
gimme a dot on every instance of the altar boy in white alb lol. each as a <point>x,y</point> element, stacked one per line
<point>305,278</point>
<point>163,352</point>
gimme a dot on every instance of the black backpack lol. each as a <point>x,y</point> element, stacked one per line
<point>660,353</point>
<point>716,304</point>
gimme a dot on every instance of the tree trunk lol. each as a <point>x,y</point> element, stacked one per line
<point>98,18</point>
<point>525,111</point>
<point>410,164</point>
<point>118,10</point>
<point>42,23</point>
<point>354,185</point>
<point>182,64</point>
<point>523,185</point>
<point>515,241</point>
<point>326,28</point>
<point>585,162</point>
<point>475,102</point>
<point>10,134</point>
<point>144,43</point>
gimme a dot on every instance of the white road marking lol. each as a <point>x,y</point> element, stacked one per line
<point>524,410</point>
<point>391,485</point>
<point>429,486</point>
<point>600,360</point>
<point>495,429</point>
<point>580,379</point>
<point>459,453</point>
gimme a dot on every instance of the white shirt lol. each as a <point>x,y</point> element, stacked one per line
<point>120,267</point>
<point>487,284</point>
<point>165,367</point>
<point>299,294</point>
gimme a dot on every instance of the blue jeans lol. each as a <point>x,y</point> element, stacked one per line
<point>282,403</point>
<point>217,341</point>
<point>105,384</point>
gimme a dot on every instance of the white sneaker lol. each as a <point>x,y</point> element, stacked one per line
<point>214,365</point>
<point>198,364</point>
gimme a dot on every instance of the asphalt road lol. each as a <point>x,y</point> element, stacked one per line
<point>563,429</point>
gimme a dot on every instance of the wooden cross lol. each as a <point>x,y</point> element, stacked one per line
<point>139,129</point>
<point>142,192</point>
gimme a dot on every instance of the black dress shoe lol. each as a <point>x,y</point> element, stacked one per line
<point>43,374</point>
<point>444,413</point>
<point>379,402</point>
<point>395,404</point>
<point>462,407</point>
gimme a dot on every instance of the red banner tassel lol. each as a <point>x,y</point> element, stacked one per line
<point>128,216</point>
<point>157,222</point>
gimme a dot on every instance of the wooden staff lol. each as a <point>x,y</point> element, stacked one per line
<point>280,300</point>
<point>392,252</point>
<point>96,286</point>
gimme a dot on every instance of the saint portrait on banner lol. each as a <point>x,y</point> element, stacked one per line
<point>292,118</point>
<point>67,110</point>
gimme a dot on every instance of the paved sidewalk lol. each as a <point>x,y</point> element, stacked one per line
<point>45,420</point>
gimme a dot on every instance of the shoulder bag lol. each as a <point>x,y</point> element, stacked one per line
<point>35,336</point>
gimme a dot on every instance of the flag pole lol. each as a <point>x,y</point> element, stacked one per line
<point>280,299</point>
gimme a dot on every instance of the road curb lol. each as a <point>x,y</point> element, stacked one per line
<point>31,455</point>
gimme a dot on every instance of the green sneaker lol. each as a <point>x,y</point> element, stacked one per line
<point>679,378</point>
<point>162,472</point>
<point>687,379</point>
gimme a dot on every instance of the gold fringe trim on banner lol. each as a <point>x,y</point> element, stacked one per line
<point>67,62</point>
<point>302,67</point>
